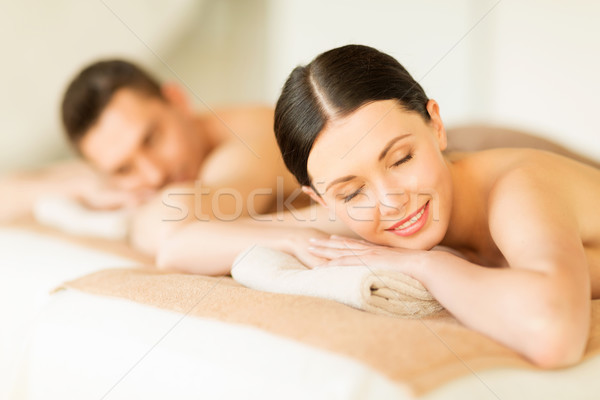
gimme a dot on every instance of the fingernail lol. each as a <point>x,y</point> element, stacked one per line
<point>313,240</point>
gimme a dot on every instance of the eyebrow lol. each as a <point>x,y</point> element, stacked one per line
<point>388,146</point>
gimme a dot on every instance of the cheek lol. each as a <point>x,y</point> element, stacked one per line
<point>175,141</point>
<point>440,183</point>
<point>362,228</point>
<point>428,177</point>
<point>173,150</point>
<point>360,218</point>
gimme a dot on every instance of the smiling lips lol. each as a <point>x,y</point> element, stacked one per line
<point>411,224</point>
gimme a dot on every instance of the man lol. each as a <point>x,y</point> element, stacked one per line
<point>144,137</point>
<point>147,149</point>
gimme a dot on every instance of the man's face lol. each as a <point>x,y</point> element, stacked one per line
<point>143,143</point>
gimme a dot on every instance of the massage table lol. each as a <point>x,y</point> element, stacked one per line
<point>90,319</point>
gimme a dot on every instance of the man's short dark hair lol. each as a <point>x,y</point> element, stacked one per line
<point>93,88</point>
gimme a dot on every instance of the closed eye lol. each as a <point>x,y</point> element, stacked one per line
<point>123,170</point>
<point>402,161</point>
<point>150,138</point>
<point>353,194</point>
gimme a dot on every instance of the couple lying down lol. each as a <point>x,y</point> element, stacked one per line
<point>363,140</point>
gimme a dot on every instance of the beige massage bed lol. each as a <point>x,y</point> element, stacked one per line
<point>116,329</point>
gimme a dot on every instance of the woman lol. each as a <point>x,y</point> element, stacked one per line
<point>363,139</point>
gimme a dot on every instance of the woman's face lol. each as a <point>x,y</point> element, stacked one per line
<point>381,169</point>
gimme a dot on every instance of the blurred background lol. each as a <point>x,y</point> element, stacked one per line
<point>528,64</point>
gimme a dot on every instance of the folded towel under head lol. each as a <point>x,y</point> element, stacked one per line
<point>380,291</point>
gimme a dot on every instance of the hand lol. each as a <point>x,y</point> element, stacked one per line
<point>108,198</point>
<point>78,180</point>
<point>339,250</point>
<point>98,192</point>
<point>298,242</point>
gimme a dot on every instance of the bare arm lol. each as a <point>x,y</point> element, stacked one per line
<point>540,304</point>
<point>210,248</point>
<point>541,315</point>
<point>21,190</point>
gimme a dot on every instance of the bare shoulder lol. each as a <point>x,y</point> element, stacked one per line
<point>528,181</point>
<point>506,166</point>
<point>243,129</point>
<point>246,111</point>
<point>247,121</point>
<point>540,171</point>
<point>247,148</point>
<point>537,194</point>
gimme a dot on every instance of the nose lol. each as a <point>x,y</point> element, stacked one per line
<point>392,201</point>
<point>151,173</point>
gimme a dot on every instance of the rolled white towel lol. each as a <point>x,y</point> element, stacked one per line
<point>380,291</point>
<point>69,215</point>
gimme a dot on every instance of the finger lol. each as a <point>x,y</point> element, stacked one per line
<point>329,253</point>
<point>109,200</point>
<point>346,261</point>
<point>318,263</point>
<point>99,203</point>
<point>361,261</point>
<point>356,243</point>
<point>332,244</point>
<point>338,243</point>
<point>311,261</point>
<point>351,240</point>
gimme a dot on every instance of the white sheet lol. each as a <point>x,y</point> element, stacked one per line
<point>31,265</point>
<point>91,347</point>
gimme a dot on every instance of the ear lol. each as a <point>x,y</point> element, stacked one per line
<point>175,95</point>
<point>436,121</point>
<point>313,195</point>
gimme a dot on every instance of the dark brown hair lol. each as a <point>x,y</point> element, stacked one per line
<point>93,88</point>
<point>335,84</point>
